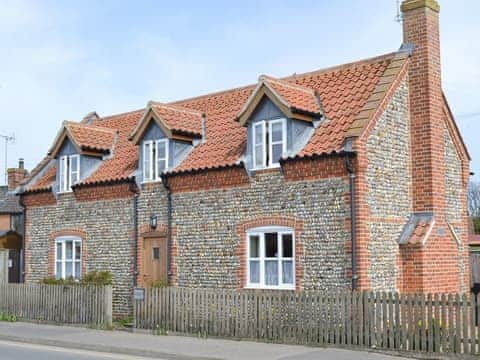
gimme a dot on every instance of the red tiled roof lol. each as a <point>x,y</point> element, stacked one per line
<point>296,96</point>
<point>91,137</point>
<point>343,90</point>
<point>179,119</point>
<point>420,233</point>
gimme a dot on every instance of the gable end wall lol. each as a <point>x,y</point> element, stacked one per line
<point>388,196</point>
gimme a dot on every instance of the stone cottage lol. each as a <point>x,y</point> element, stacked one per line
<point>353,176</point>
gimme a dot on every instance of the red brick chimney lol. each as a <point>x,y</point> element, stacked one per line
<point>16,175</point>
<point>421,29</point>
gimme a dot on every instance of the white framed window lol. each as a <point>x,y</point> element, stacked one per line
<point>269,142</point>
<point>155,159</point>
<point>68,257</point>
<point>69,171</point>
<point>271,258</point>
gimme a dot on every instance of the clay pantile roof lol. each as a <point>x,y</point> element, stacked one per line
<point>179,119</point>
<point>296,96</point>
<point>417,229</point>
<point>293,100</point>
<point>420,232</point>
<point>343,91</point>
<point>124,161</point>
<point>91,137</point>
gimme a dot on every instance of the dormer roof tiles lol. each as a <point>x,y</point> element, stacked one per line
<point>343,91</point>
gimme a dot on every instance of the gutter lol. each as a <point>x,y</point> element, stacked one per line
<point>349,154</point>
<point>164,178</point>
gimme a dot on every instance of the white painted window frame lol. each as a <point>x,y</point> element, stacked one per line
<point>153,160</point>
<point>63,241</point>
<point>260,124</point>
<point>66,172</point>
<point>157,158</point>
<point>283,122</point>
<point>260,232</point>
<point>264,125</point>
<point>149,155</point>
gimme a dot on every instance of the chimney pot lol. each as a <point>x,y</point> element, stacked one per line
<point>21,163</point>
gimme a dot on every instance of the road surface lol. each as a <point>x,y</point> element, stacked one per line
<point>20,351</point>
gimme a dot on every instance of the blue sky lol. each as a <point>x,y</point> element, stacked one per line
<point>60,60</point>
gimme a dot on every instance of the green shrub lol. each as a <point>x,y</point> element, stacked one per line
<point>97,278</point>
<point>8,317</point>
<point>91,278</point>
<point>54,281</point>
<point>161,283</point>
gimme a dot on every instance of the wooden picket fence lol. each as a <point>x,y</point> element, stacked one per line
<point>58,303</point>
<point>391,321</point>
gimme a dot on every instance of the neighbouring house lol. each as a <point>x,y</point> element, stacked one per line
<point>351,176</point>
<point>11,226</point>
<point>474,247</point>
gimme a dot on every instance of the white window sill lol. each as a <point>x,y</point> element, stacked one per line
<point>266,287</point>
<point>151,181</point>
<point>64,192</point>
<point>274,166</point>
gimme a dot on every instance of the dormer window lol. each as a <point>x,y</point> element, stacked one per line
<point>69,166</point>
<point>269,142</point>
<point>155,159</point>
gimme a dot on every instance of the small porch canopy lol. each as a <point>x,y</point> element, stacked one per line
<point>10,240</point>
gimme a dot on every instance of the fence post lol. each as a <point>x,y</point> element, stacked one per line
<point>108,306</point>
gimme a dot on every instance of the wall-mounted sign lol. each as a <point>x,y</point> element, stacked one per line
<point>139,294</point>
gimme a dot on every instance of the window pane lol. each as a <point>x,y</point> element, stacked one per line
<point>68,269</point>
<point>77,269</point>
<point>258,130</point>
<point>259,156</point>
<point>58,270</point>
<point>287,245</point>
<point>156,253</point>
<point>62,174</point>
<point>277,150</point>
<point>255,271</point>
<point>254,246</point>
<point>287,272</point>
<point>77,251</point>
<point>146,161</point>
<point>162,165</point>
<point>271,245</point>
<point>74,169</point>
<point>68,250</point>
<point>271,272</point>
<point>277,131</point>
<point>59,251</point>
<point>161,150</point>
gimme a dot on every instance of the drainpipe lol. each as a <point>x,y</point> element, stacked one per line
<point>135,234</point>
<point>169,224</point>
<point>22,251</point>
<point>351,176</point>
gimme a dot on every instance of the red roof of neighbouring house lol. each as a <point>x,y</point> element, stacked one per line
<point>343,91</point>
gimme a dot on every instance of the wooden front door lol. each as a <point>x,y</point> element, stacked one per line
<point>155,259</point>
